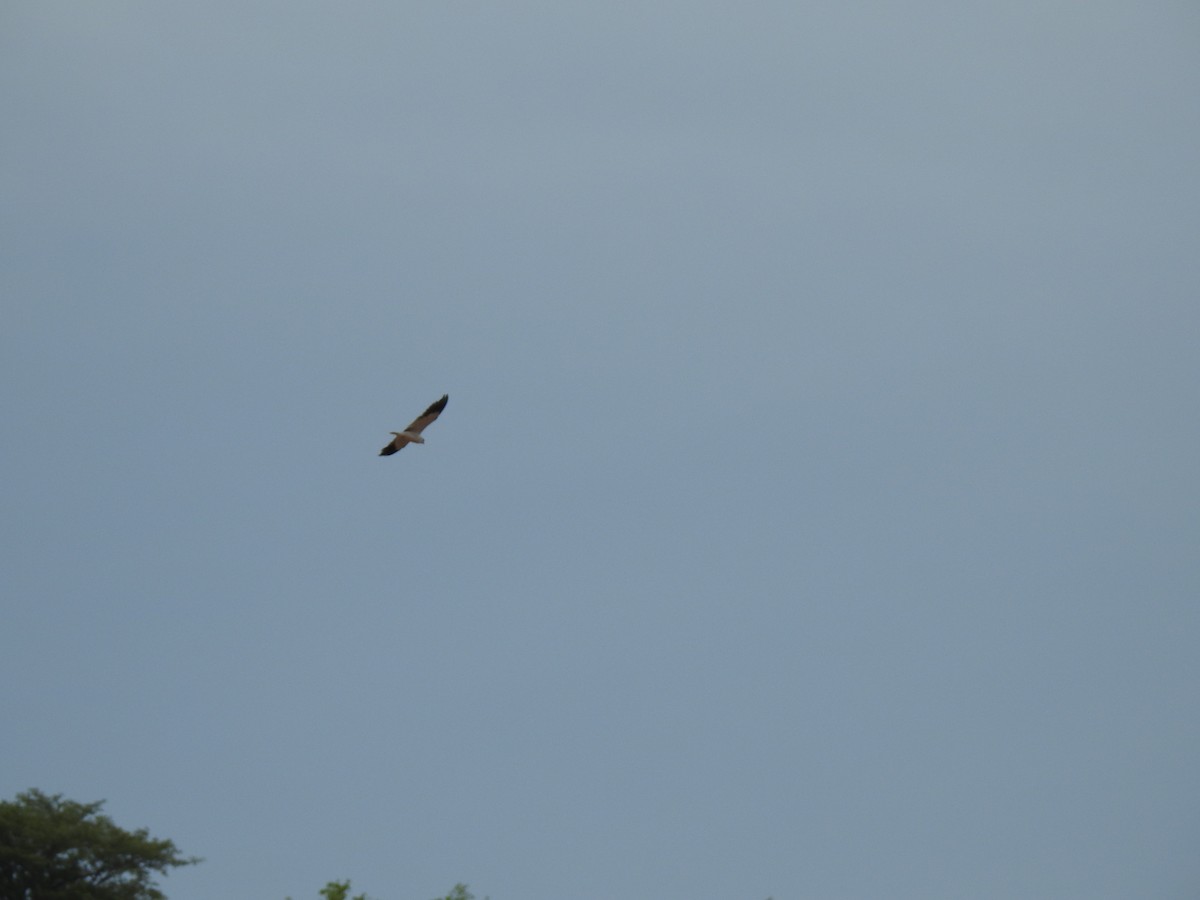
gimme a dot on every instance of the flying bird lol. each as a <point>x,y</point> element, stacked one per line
<point>412,434</point>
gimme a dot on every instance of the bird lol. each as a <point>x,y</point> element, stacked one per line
<point>412,434</point>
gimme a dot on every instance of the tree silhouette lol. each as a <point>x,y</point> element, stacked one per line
<point>56,849</point>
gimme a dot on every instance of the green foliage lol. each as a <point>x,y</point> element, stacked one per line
<point>56,849</point>
<point>339,890</point>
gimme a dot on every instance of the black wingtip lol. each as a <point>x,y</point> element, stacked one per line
<point>388,450</point>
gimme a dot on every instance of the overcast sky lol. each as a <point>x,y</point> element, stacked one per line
<point>816,513</point>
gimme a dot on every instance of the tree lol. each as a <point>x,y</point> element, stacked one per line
<point>339,890</point>
<point>56,849</point>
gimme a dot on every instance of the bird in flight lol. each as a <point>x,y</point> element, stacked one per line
<point>412,434</point>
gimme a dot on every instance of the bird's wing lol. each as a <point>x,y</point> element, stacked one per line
<point>396,444</point>
<point>421,422</point>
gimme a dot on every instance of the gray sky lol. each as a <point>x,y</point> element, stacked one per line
<point>815,513</point>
